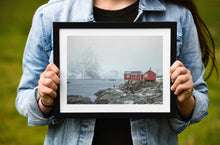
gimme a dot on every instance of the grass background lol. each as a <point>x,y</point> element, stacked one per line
<point>15,23</point>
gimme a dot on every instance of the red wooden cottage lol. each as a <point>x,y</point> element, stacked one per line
<point>137,75</point>
<point>127,75</point>
<point>133,75</point>
<point>149,75</point>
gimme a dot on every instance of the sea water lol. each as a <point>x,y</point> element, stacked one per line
<point>88,87</point>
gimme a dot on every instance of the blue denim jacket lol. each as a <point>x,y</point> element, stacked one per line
<point>39,53</point>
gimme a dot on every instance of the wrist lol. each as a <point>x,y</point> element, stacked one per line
<point>186,109</point>
<point>44,108</point>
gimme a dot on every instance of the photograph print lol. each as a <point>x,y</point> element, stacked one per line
<point>114,69</point>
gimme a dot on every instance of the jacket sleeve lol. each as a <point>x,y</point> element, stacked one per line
<point>190,56</point>
<point>35,60</point>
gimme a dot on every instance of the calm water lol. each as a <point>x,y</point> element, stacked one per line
<point>87,88</point>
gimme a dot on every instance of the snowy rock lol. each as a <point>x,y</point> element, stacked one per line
<point>132,92</point>
<point>77,99</point>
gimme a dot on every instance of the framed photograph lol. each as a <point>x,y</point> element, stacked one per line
<point>115,69</point>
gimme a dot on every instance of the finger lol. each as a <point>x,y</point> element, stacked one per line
<point>175,65</point>
<point>42,75</point>
<point>52,67</point>
<point>188,86</point>
<point>53,76</point>
<point>179,71</point>
<point>44,91</point>
<point>179,80</point>
<point>49,83</point>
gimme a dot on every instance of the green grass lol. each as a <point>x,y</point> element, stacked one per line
<point>15,22</point>
<point>207,131</point>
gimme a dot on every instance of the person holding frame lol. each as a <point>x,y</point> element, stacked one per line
<point>40,79</point>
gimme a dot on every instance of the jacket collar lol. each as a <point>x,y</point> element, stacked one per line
<point>146,5</point>
<point>151,5</point>
<point>84,8</point>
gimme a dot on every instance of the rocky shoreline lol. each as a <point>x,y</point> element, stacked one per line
<point>131,92</point>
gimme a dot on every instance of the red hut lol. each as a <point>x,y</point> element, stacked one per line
<point>133,75</point>
<point>127,75</point>
<point>136,75</point>
<point>149,75</point>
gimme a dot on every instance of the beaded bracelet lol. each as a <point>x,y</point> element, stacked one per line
<point>46,105</point>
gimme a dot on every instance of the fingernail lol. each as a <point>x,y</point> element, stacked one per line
<point>172,88</point>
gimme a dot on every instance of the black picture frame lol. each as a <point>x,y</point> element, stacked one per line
<point>83,31</point>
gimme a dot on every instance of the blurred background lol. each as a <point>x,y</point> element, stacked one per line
<point>15,22</point>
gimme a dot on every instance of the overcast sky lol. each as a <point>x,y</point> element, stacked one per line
<point>120,53</point>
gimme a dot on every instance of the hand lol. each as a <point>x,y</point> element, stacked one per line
<point>183,88</point>
<point>47,86</point>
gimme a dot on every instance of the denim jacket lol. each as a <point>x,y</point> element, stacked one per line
<point>39,53</point>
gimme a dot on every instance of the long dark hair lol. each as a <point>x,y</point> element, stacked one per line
<point>205,38</point>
